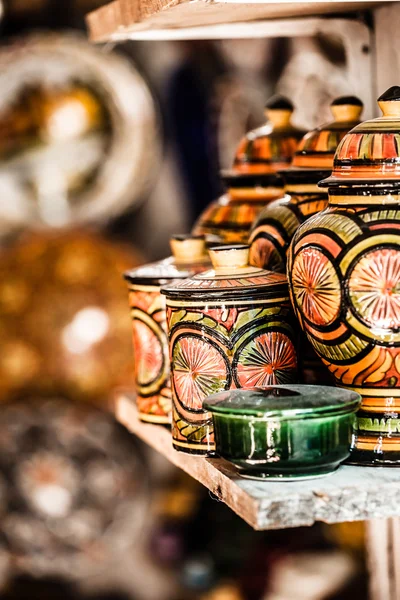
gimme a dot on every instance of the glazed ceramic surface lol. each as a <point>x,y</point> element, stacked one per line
<point>274,228</point>
<point>230,327</point>
<point>253,181</point>
<point>149,334</point>
<point>344,269</point>
<point>284,431</point>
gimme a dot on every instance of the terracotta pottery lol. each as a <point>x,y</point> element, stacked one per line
<point>253,181</point>
<point>150,342</point>
<point>274,228</point>
<point>344,268</point>
<point>229,328</point>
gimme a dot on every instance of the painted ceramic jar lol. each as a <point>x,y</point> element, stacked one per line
<point>230,327</point>
<point>344,268</point>
<point>275,226</point>
<point>253,181</point>
<point>149,333</point>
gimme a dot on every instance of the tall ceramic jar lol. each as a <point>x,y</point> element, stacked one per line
<point>230,327</point>
<point>274,228</point>
<point>344,270</point>
<point>149,334</point>
<point>253,181</point>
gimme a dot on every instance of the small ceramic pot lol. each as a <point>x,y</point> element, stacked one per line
<point>230,327</point>
<point>344,271</point>
<point>284,432</point>
<point>253,181</point>
<point>276,224</point>
<point>150,341</point>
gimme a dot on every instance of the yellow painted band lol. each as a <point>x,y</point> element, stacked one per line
<point>226,303</point>
<point>363,245</point>
<point>364,200</point>
<point>154,419</point>
<point>203,447</point>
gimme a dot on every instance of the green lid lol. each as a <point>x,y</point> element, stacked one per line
<point>284,402</point>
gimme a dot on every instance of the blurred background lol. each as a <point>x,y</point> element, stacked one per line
<point>104,153</point>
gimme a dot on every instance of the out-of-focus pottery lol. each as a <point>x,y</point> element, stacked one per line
<point>253,181</point>
<point>276,224</point>
<point>150,342</point>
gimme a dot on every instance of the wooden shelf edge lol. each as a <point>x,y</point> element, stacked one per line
<point>216,475</point>
<point>349,494</point>
<point>196,19</point>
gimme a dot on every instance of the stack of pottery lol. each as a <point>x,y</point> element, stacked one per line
<point>230,327</point>
<point>274,228</point>
<point>344,272</point>
<point>150,341</point>
<point>253,181</point>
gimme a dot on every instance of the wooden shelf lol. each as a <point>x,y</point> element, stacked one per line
<point>350,494</point>
<point>204,19</point>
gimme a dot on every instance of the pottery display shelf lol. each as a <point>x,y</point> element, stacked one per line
<point>349,494</point>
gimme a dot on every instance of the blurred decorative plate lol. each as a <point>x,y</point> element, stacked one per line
<point>78,133</point>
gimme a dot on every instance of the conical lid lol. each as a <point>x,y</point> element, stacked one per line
<point>286,401</point>
<point>369,155</point>
<point>231,276</point>
<point>189,255</point>
<point>314,156</point>
<point>265,150</point>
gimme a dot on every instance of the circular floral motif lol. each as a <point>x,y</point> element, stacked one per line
<point>268,358</point>
<point>316,286</point>
<point>374,288</point>
<point>199,369</point>
<point>148,352</point>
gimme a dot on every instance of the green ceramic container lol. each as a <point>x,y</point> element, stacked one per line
<point>284,431</point>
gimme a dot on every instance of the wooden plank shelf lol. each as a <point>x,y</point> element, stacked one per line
<point>204,19</point>
<point>349,494</point>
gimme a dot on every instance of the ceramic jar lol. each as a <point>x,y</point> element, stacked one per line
<point>284,432</point>
<point>344,270</point>
<point>274,228</point>
<point>150,341</point>
<point>230,327</point>
<point>253,181</point>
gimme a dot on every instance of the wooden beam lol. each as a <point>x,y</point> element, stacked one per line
<point>134,16</point>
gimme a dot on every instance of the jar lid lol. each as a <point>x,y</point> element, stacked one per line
<point>231,276</point>
<point>269,148</point>
<point>189,255</point>
<point>284,402</point>
<point>370,152</point>
<point>317,149</point>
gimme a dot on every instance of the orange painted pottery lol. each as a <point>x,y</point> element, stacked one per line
<point>274,228</point>
<point>230,327</point>
<point>253,181</point>
<point>344,269</point>
<point>150,342</point>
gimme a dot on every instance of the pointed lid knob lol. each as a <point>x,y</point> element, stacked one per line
<point>189,256</point>
<point>347,109</point>
<point>278,111</point>
<point>389,102</point>
<point>188,249</point>
<point>231,277</point>
<point>368,157</point>
<point>269,148</point>
<point>226,259</point>
<point>317,148</point>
